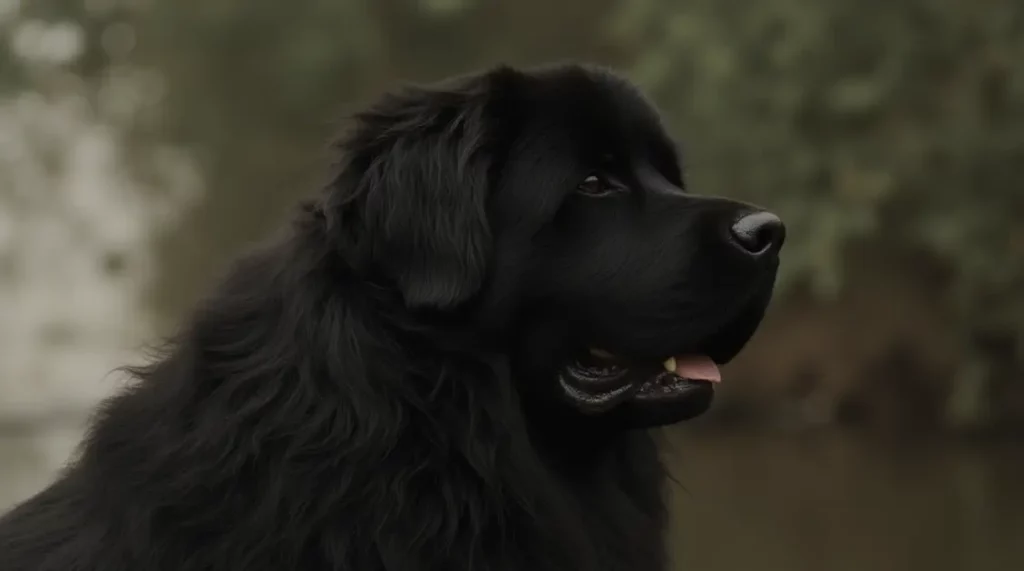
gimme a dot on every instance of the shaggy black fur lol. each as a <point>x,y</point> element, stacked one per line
<point>374,390</point>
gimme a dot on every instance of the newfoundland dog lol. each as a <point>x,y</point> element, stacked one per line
<point>449,361</point>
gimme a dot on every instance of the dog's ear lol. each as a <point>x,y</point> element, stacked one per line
<point>412,190</point>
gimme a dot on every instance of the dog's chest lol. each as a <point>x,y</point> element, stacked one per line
<point>614,512</point>
<point>626,530</point>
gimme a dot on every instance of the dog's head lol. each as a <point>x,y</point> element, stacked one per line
<point>547,209</point>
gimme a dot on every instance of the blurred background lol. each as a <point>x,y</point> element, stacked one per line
<point>875,421</point>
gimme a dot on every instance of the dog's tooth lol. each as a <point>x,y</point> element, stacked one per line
<point>601,354</point>
<point>670,364</point>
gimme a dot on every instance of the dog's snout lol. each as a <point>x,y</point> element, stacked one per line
<point>758,233</point>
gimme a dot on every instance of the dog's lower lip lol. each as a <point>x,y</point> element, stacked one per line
<point>661,388</point>
<point>668,387</point>
<point>598,401</point>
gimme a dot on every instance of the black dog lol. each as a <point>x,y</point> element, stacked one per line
<point>446,363</point>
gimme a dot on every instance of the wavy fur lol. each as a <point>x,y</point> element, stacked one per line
<point>333,405</point>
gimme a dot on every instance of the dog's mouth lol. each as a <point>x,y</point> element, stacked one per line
<point>598,381</point>
<point>648,389</point>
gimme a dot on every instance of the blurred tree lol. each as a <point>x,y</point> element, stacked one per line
<point>74,224</point>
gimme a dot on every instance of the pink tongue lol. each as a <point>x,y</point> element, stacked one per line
<point>698,368</point>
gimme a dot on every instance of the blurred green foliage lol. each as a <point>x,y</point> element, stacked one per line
<point>874,127</point>
<point>899,124</point>
<point>901,121</point>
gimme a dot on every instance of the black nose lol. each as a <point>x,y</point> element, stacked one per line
<point>758,233</point>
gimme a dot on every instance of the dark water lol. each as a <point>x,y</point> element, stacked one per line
<point>833,502</point>
<point>820,502</point>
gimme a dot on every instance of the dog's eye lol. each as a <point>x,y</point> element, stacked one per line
<point>598,186</point>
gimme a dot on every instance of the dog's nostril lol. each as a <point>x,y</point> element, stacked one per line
<point>758,233</point>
